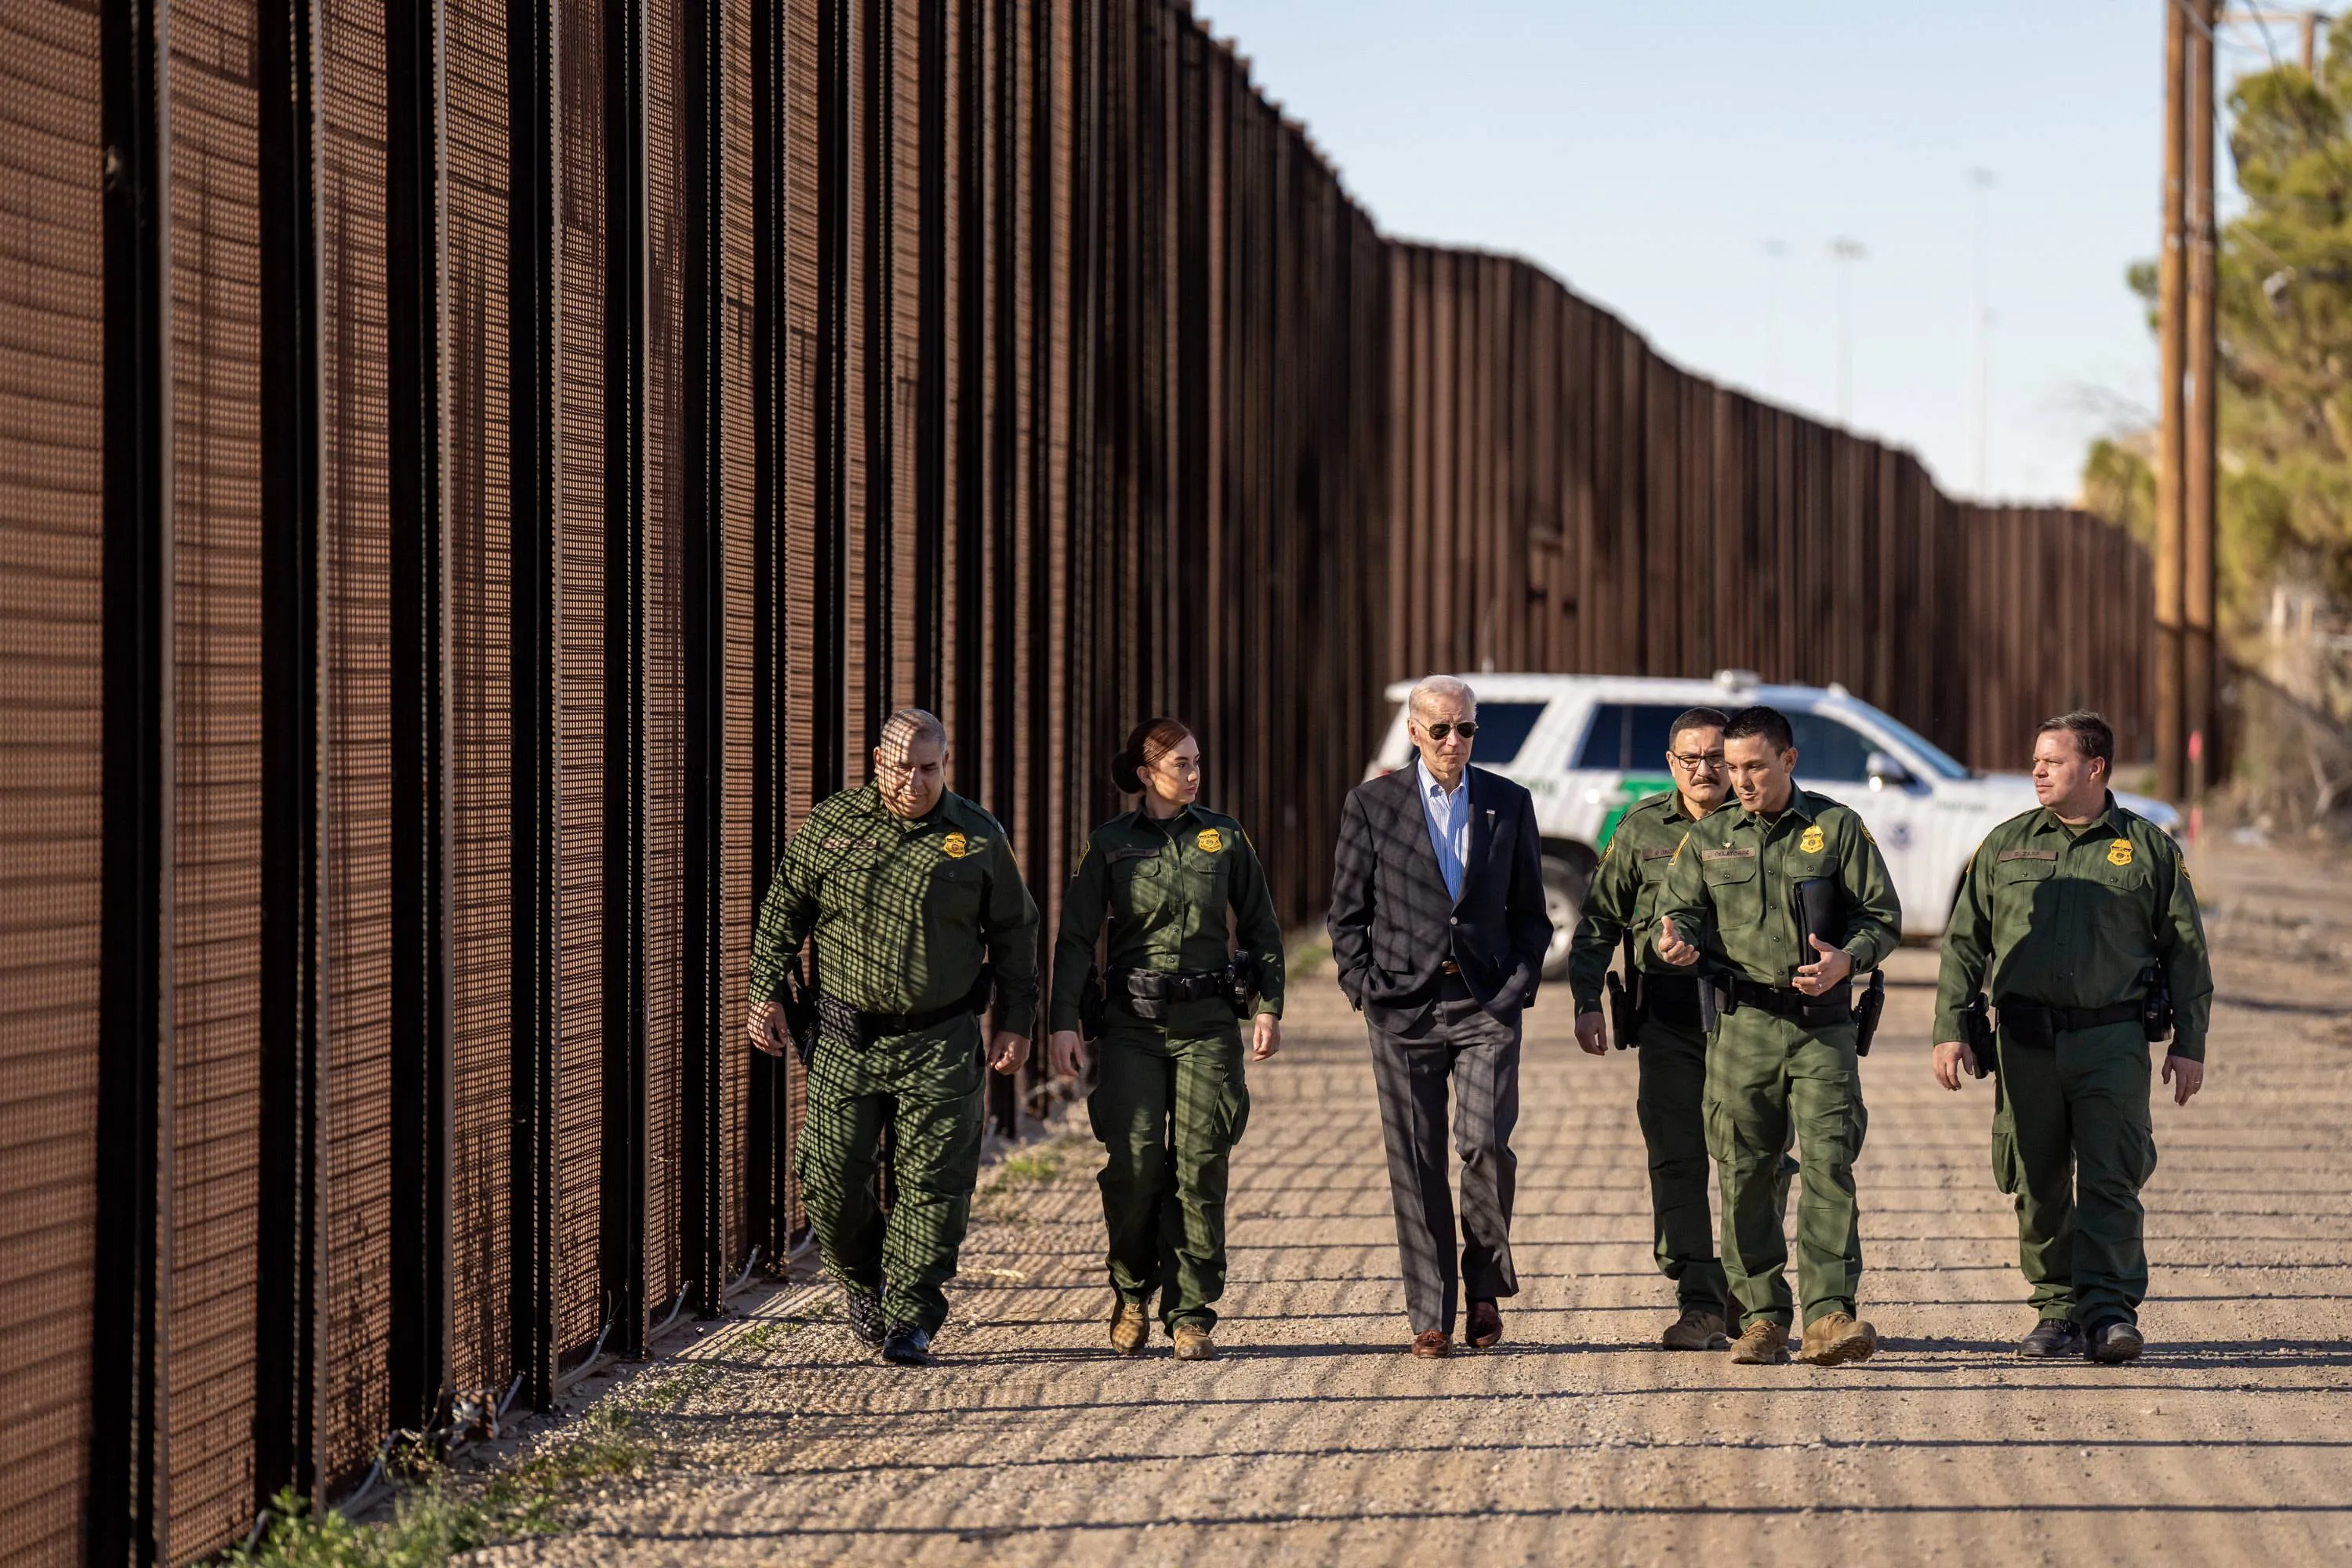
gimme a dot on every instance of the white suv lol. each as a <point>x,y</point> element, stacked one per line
<point>1588,746</point>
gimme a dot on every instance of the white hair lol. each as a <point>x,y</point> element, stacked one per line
<point>1440,686</point>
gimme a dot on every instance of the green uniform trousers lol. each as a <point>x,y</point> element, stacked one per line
<point>2072,1141</point>
<point>1670,1103</point>
<point>1766,1078</point>
<point>925,1088</point>
<point>1169,1106</point>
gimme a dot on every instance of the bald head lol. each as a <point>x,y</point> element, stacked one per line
<point>910,765</point>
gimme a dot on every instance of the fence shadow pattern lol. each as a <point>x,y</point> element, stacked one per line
<point>474,473</point>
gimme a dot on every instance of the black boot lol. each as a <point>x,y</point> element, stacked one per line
<point>2052,1337</point>
<point>2112,1344</point>
<point>861,1309</point>
<point>907,1346</point>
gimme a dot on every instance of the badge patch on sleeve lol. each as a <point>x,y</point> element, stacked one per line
<point>1812,843</point>
<point>1210,840</point>
<point>956,846</point>
<point>2120,852</point>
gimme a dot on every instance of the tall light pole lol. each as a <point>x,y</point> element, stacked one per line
<point>1981,179</point>
<point>1845,252</point>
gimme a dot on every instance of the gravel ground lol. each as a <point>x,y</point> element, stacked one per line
<point>1316,1437</point>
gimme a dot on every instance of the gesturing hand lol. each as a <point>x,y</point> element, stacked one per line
<point>1953,1057</point>
<point>766,1027</point>
<point>1591,1034</point>
<point>1672,947</point>
<point>1832,966</point>
<point>2184,1077</point>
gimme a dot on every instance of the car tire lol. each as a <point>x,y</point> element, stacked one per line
<point>1565,884</point>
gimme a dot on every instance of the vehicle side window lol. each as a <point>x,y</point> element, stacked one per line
<point>1829,751</point>
<point>1502,729</point>
<point>1604,739</point>
<point>1646,739</point>
<point>1625,737</point>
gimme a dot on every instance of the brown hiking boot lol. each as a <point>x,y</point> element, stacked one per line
<point>1193,1343</point>
<point>1833,1339</point>
<point>1696,1329</point>
<point>1431,1344</point>
<point>1131,1328</point>
<point>1766,1343</point>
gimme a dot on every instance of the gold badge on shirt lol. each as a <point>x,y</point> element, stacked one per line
<point>2120,852</point>
<point>1210,840</point>
<point>956,846</point>
<point>1812,843</point>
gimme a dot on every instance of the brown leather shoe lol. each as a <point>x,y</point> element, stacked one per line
<point>1193,1343</point>
<point>1131,1328</point>
<point>1431,1344</point>
<point>1766,1343</point>
<point>1833,1339</point>
<point>1696,1329</point>
<point>1485,1325</point>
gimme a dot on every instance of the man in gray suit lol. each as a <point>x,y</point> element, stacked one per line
<point>1439,933</point>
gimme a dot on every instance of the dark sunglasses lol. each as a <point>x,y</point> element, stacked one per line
<point>1467,729</point>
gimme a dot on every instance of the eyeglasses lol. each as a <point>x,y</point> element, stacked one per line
<point>1692,764</point>
<point>1438,732</point>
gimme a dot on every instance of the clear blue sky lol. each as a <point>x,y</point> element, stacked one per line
<point>1646,152</point>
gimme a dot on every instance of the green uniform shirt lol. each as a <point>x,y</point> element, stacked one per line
<point>1167,887</point>
<point>1731,887</point>
<point>901,910</point>
<point>2073,918</point>
<point>1624,895</point>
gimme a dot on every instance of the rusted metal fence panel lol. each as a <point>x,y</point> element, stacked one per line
<point>1691,528</point>
<point>51,458</point>
<point>588,418</point>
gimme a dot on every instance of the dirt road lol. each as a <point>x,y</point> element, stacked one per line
<point>1315,1439</point>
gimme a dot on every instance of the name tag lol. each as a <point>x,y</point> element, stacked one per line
<point>2027,855</point>
<point>1727,855</point>
<point>1657,854</point>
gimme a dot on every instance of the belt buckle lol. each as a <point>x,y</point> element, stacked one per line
<point>1450,967</point>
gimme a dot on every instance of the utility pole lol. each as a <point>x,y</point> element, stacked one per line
<point>2171,332</point>
<point>2200,444</point>
<point>1983,180</point>
<point>1846,252</point>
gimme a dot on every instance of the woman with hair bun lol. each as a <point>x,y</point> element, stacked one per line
<point>1169,1101</point>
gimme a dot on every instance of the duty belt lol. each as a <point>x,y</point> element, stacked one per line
<point>861,1028</point>
<point>2039,1025</point>
<point>1788,1002</point>
<point>1164,986</point>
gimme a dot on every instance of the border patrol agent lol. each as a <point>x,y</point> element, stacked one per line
<point>1656,1007</point>
<point>2079,918</point>
<point>1786,898</point>
<point>915,906</point>
<point>1171,1100</point>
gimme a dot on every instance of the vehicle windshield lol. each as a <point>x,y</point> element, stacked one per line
<point>1937,760</point>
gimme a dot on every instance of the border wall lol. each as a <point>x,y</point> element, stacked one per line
<point>471,475</point>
